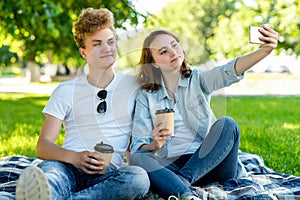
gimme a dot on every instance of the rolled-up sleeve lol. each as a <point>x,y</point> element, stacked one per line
<point>142,124</point>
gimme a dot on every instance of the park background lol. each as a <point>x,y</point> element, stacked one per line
<point>37,52</point>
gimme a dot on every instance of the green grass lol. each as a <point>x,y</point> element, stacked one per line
<point>270,126</point>
<point>20,121</point>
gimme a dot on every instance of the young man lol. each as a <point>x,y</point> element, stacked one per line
<point>94,108</point>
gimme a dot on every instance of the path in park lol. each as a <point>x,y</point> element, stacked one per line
<point>253,84</point>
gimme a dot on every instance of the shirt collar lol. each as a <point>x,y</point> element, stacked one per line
<point>162,92</point>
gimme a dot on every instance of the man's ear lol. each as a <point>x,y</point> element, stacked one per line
<point>82,52</point>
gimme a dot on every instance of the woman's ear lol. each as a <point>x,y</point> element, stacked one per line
<point>82,52</point>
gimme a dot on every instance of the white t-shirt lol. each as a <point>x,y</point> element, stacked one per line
<point>75,102</point>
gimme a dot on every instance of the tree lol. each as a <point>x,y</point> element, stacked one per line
<point>44,27</point>
<point>7,56</point>
<point>195,21</point>
<point>277,13</point>
<point>219,29</point>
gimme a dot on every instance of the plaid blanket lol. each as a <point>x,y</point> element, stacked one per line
<point>10,169</point>
<point>262,183</point>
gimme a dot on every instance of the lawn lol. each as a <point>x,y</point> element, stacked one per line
<point>269,126</point>
<point>20,123</point>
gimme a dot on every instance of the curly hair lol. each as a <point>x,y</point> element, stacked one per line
<point>91,20</point>
<point>149,77</point>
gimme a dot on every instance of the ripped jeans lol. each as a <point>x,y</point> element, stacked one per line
<point>68,182</point>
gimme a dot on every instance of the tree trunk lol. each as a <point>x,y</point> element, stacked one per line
<point>34,71</point>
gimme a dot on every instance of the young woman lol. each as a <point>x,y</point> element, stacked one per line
<point>203,149</point>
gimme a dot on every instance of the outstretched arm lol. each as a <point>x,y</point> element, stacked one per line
<point>247,61</point>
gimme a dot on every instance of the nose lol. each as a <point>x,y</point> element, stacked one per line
<point>105,48</point>
<point>172,52</point>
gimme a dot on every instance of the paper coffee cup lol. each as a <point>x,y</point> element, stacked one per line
<point>106,151</point>
<point>166,115</point>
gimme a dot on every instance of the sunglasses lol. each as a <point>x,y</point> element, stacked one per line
<point>101,108</point>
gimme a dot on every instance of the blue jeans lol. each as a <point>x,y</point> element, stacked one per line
<point>7,196</point>
<point>215,160</point>
<point>68,182</point>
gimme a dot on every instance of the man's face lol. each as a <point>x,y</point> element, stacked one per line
<point>100,49</point>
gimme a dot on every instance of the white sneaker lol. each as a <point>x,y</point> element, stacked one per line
<point>33,185</point>
<point>172,197</point>
<point>192,198</point>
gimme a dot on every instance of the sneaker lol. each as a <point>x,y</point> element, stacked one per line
<point>172,197</point>
<point>186,198</point>
<point>32,185</point>
<point>192,198</point>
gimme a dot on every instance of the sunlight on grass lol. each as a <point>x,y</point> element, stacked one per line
<point>22,140</point>
<point>15,96</point>
<point>17,141</point>
<point>291,126</point>
<point>14,145</point>
<point>22,129</point>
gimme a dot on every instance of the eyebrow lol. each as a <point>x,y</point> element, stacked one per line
<point>96,40</point>
<point>172,42</point>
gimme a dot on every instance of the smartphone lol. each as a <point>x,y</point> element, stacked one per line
<point>254,35</point>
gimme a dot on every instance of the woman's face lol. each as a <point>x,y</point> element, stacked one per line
<point>166,52</point>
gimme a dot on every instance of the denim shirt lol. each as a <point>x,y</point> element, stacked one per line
<point>193,102</point>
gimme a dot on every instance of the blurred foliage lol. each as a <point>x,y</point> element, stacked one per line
<point>219,29</point>
<point>41,30</point>
<point>6,56</point>
<point>195,20</point>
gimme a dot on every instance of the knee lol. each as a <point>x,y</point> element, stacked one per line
<point>139,181</point>
<point>230,124</point>
<point>227,119</point>
<point>54,168</point>
<point>49,164</point>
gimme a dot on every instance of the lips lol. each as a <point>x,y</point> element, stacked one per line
<point>175,59</point>
<point>105,56</point>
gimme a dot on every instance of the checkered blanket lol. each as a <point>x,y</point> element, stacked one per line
<point>10,169</point>
<point>262,183</point>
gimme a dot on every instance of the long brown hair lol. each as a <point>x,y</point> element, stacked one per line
<point>149,77</point>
